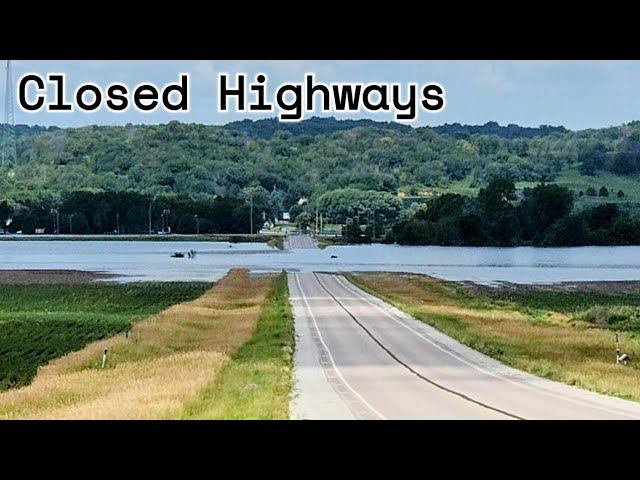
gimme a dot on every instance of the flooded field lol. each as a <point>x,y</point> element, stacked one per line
<point>147,260</point>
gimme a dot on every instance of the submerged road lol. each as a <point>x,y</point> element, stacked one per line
<point>300,241</point>
<point>359,358</point>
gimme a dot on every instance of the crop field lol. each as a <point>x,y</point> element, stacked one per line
<point>41,322</point>
<point>226,353</point>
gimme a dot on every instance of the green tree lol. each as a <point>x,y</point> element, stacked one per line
<point>542,206</point>
<point>304,220</point>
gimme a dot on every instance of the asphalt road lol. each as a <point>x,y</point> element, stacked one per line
<point>301,241</point>
<point>358,357</point>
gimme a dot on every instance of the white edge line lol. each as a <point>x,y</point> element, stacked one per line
<point>333,363</point>
<point>347,285</point>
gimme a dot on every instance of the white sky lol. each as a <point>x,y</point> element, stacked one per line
<point>576,94</point>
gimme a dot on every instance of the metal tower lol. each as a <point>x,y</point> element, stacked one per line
<point>9,154</point>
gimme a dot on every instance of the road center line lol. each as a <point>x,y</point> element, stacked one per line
<point>333,363</point>
<point>348,286</point>
<point>408,367</point>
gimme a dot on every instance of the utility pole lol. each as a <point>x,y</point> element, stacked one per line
<point>56,220</point>
<point>374,224</point>
<point>150,205</point>
<point>9,154</point>
<point>165,220</point>
<point>197,224</point>
<point>251,213</point>
<point>315,231</point>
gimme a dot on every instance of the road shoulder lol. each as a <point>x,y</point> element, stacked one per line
<point>313,396</point>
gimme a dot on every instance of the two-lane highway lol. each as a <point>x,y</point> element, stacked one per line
<point>357,357</point>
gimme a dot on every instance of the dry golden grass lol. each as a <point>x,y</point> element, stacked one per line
<point>167,359</point>
<point>544,342</point>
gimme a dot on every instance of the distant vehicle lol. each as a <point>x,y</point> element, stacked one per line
<point>177,255</point>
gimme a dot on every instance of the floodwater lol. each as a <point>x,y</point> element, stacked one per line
<point>147,260</point>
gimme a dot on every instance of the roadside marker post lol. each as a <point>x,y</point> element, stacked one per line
<point>621,358</point>
<point>104,357</point>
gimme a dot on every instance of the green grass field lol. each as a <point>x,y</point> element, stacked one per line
<point>41,322</point>
<point>571,178</point>
<point>574,181</point>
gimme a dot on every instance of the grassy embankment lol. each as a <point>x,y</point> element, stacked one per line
<point>190,360</point>
<point>277,242</point>
<point>256,382</point>
<point>564,336</point>
<point>41,322</point>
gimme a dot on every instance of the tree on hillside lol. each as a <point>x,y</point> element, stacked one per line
<point>498,212</point>
<point>544,205</point>
<point>627,157</point>
<point>5,212</point>
<point>592,156</point>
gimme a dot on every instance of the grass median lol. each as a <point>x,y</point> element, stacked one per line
<point>256,382</point>
<point>566,336</point>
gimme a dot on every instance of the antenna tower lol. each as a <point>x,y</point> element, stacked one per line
<point>9,154</point>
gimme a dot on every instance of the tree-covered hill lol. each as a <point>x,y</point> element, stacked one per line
<point>267,128</point>
<point>511,131</point>
<point>310,158</point>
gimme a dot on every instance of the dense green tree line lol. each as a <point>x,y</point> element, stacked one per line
<point>87,212</point>
<point>544,216</point>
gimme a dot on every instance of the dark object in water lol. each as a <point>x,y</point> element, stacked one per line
<point>191,253</point>
<point>334,256</point>
<point>177,255</point>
